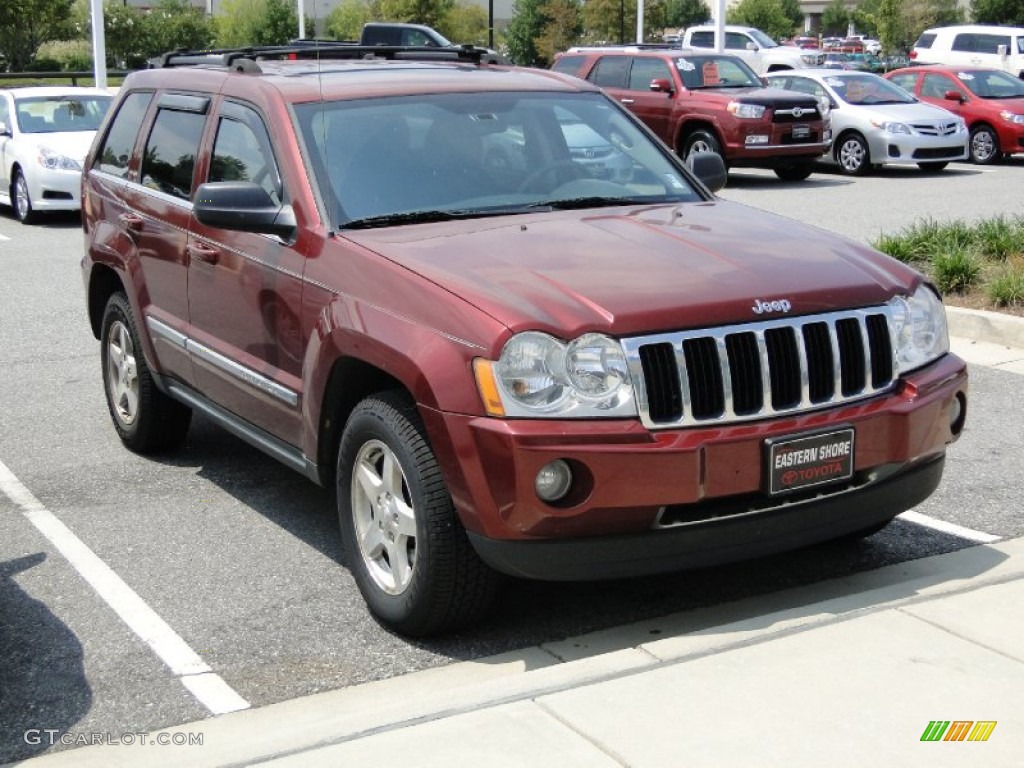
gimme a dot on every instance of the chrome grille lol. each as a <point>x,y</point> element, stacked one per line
<point>758,370</point>
<point>935,129</point>
<point>790,114</point>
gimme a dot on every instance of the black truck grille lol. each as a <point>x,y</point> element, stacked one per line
<point>757,370</point>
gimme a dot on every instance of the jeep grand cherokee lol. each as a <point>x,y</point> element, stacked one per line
<point>502,362</point>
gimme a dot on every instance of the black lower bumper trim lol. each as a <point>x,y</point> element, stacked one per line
<point>714,542</point>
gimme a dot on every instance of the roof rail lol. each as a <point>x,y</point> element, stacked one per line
<point>245,58</point>
<point>628,47</point>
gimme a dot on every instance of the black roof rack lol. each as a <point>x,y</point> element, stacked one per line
<point>245,59</point>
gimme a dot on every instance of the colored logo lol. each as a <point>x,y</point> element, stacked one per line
<point>958,730</point>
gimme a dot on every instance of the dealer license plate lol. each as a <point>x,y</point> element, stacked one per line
<point>801,131</point>
<point>800,462</point>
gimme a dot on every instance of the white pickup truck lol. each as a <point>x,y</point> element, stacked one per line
<point>755,47</point>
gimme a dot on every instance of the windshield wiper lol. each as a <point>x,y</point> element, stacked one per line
<point>594,201</point>
<point>410,217</point>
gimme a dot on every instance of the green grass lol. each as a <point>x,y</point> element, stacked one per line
<point>984,259</point>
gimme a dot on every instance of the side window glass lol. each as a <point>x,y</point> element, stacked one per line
<point>735,41</point>
<point>569,65</point>
<point>703,39</point>
<point>935,86</point>
<point>906,82</point>
<point>242,154</point>
<point>964,42</point>
<point>610,72</point>
<point>991,43</point>
<point>4,113</point>
<point>170,155</point>
<point>645,70</point>
<point>117,148</point>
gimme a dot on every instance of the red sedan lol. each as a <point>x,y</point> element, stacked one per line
<point>989,100</point>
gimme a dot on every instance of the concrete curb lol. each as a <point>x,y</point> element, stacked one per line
<point>294,727</point>
<point>981,325</point>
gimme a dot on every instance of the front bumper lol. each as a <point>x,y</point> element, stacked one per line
<point>696,495</point>
<point>54,190</point>
<point>903,148</point>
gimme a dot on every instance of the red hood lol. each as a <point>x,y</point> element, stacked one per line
<point>640,269</point>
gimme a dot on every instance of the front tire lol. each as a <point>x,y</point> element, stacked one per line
<point>702,141</point>
<point>21,201</point>
<point>405,546</point>
<point>984,146</point>
<point>797,172</point>
<point>146,420</point>
<point>853,155</point>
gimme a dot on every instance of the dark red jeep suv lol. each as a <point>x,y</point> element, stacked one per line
<point>512,330</point>
<point>707,102</point>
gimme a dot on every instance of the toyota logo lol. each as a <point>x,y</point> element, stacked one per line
<point>798,112</point>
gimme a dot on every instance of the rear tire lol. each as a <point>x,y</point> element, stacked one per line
<point>146,420</point>
<point>404,544</point>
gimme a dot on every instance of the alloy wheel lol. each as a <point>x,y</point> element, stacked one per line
<point>122,373</point>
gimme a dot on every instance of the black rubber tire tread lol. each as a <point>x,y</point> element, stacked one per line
<point>28,216</point>
<point>865,167</point>
<point>451,587</point>
<point>795,172</point>
<point>162,423</point>
<point>709,138</point>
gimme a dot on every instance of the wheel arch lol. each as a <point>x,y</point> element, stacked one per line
<point>104,282</point>
<point>689,127</point>
<point>838,140</point>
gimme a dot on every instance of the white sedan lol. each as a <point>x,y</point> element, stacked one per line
<point>45,133</point>
<point>875,122</point>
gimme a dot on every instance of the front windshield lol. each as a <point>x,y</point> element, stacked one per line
<point>866,90</point>
<point>762,39</point>
<point>437,156</point>
<point>59,114</point>
<point>992,84</point>
<point>716,72</point>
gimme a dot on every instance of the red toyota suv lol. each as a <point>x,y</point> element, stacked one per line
<point>406,280</point>
<point>990,101</point>
<point>706,102</point>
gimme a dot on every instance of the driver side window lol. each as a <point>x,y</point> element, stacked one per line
<point>240,153</point>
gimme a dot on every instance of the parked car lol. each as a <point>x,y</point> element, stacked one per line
<point>706,102</point>
<point>972,45</point>
<point>756,48</point>
<point>990,101</point>
<point>44,135</point>
<point>875,122</point>
<point>518,369</point>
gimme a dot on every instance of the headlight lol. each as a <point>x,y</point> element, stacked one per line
<point>1012,117</point>
<point>56,161</point>
<point>538,375</point>
<point>891,127</point>
<point>810,59</point>
<point>748,111</point>
<point>919,327</point>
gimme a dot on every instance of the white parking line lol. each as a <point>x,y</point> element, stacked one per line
<point>195,674</point>
<point>956,530</point>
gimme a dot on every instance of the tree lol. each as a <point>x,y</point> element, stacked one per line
<point>793,12</point>
<point>526,26</point>
<point>256,22</point>
<point>346,20</point>
<point>835,18</point>
<point>891,25</point>
<point>609,21</point>
<point>466,22</point>
<point>175,24</point>
<point>429,12</point>
<point>27,25</point>
<point>686,13</point>
<point>864,16</point>
<point>562,28</point>
<point>1009,12</point>
<point>766,15</point>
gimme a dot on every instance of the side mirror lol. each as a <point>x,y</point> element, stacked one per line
<point>4,129</point>
<point>709,168</point>
<point>1002,51</point>
<point>242,206</point>
<point>954,96</point>
<point>661,85</point>
<point>752,47</point>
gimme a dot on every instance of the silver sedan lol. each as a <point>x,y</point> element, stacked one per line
<point>875,122</point>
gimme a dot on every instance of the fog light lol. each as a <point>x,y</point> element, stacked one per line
<point>553,481</point>
<point>757,139</point>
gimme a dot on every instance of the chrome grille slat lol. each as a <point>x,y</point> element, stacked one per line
<point>727,388</point>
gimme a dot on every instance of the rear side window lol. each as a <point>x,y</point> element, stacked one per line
<point>171,150</point>
<point>645,70</point>
<point>976,43</point>
<point>569,65</point>
<point>116,153</point>
<point>703,39</point>
<point>610,72</point>
<point>925,40</point>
